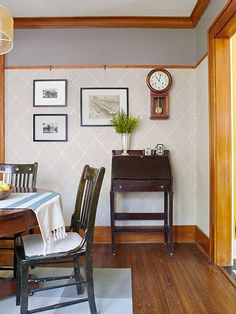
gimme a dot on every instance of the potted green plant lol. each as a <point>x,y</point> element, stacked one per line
<point>125,125</point>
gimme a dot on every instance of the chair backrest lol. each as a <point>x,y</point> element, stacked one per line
<point>87,197</point>
<point>20,175</point>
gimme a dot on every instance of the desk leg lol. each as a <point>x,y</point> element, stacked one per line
<point>165,217</point>
<point>112,211</point>
<point>171,243</point>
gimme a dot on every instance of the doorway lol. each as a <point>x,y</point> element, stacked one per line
<point>220,135</point>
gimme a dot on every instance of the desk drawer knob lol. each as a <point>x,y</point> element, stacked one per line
<point>120,186</point>
<point>162,186</point>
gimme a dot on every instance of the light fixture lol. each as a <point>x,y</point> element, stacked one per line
<point>6,30</point>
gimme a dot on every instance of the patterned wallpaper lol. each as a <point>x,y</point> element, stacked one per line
<point>61,163</point>
<point>203,147</point>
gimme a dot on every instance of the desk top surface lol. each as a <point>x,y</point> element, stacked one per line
<point>139,167</point>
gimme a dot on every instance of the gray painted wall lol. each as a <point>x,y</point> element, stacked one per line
<point>114,46</point>
<point>102,46</point>
<point>212,11</point>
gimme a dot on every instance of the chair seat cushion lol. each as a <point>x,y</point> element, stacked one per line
<point>34,245</point>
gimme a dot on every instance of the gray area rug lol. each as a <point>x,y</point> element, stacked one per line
<point>113,292</point>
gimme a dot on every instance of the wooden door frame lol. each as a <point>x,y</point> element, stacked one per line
<point>220,135</point>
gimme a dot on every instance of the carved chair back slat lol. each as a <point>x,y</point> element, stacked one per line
<point>83,217</point>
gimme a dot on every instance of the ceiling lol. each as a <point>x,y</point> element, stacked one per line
<point>66,8</point>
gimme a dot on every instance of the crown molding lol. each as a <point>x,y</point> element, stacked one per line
<point>113,21</point>
<point>198,11</point>
<point>102,22</point>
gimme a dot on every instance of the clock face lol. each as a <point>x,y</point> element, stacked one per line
<point>159,80</point>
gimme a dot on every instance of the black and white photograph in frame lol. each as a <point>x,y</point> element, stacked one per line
<point>50,127</point>
<point>98,105</point>
<point>50,93</point>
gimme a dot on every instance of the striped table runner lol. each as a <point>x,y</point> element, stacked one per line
<point>48,210</point>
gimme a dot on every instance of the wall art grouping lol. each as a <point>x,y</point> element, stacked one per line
<point>97,105</point>
<point>50,127</point>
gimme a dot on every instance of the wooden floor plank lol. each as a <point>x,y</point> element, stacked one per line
<point>183,283</point>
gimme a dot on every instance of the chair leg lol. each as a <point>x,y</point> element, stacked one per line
<point>78,276</point>
<point>14,256</point>
<point>24,289</point>
<point>18,283</point>
<point>90,285</point>
<point>14,262</point>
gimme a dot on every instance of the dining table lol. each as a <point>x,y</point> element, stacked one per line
<point>25,209</point>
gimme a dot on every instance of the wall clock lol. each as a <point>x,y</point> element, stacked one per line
<point>159,82</point>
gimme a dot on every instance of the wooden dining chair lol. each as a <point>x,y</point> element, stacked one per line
<point>77,243</point>
<point>19,176</point>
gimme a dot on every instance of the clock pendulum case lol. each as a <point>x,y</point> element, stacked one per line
<point>159,82</point>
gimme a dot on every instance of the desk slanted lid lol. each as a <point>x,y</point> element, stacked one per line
<point>139,167</point>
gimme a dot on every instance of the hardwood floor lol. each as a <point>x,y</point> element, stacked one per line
<point>183,283</point>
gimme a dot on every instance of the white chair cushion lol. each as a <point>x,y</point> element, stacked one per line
<point>34,245</point>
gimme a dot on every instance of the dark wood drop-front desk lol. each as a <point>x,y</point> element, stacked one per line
<point>139,173</point>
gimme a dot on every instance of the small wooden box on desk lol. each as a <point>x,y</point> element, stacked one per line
<point>139,173</point>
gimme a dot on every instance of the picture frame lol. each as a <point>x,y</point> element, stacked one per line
<point>50,93</point>
<point>50,127</point>
<point>98,104</point>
